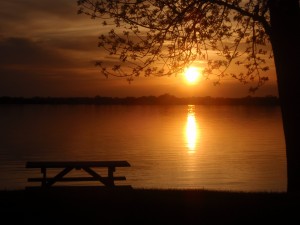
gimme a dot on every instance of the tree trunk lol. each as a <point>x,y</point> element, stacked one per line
<point>285,43</point>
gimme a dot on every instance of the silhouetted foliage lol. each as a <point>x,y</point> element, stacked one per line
<point>164,37</point>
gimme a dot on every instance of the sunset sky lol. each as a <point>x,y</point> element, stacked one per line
<point>47,49</point>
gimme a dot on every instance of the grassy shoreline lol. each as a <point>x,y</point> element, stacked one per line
<point>147,206</point>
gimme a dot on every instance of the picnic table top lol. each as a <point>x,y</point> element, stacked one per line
<point>63,164</point>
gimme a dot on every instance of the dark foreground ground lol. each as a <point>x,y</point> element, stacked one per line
<point>139,206</point>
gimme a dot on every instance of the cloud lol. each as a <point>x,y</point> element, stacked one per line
<point>22,51</point>
<point>28,9</point>
<point>43,19</point>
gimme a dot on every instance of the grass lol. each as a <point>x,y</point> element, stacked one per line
<point>147,206</point>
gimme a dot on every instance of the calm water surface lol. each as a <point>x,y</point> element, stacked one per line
<point>211,147</point>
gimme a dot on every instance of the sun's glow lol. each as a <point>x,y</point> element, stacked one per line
<point>192,75</point>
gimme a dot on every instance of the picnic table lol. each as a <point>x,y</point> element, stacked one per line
<point>67,166</point>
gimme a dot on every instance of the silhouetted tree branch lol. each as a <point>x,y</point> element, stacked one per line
<point>164,37</point>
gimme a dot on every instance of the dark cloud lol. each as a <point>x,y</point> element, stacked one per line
<point>81,43</point>
<point>60,8</point>
<point>22,51</point>
<point>41,18</point>
<point>28,9</point>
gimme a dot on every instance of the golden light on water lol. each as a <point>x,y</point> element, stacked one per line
<point>191,130</point>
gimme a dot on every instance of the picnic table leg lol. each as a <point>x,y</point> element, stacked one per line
<point>44,172</point>
<point>111,171</point>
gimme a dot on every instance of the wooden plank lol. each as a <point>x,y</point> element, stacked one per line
<point>76,164</point>
<point>71,179</point>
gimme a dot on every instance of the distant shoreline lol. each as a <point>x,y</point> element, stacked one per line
<point>165,99</point>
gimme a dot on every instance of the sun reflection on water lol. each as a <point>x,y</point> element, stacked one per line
<point>191,130</point>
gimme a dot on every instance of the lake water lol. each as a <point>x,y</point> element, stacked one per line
<point>184,146</point>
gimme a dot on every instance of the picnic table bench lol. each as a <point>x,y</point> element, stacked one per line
<point>68,166</point>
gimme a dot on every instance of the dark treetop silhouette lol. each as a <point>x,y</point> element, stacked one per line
<point>163,37</point>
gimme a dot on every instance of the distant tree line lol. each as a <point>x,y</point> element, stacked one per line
<point>165,99</point>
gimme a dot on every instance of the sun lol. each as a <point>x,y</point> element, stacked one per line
<point>192,75</point>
